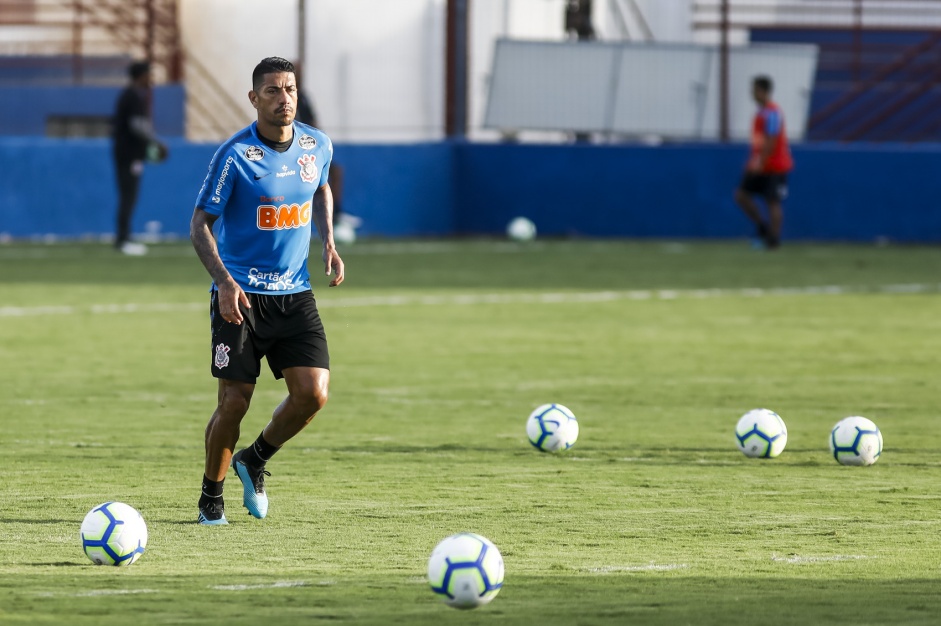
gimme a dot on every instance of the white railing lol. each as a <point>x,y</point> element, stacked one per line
<point>894,14</point>
<point>92,28</point>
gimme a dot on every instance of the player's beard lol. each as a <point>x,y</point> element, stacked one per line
<point>282,117</point>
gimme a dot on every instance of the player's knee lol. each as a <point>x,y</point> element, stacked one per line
<point>312,399</point>
<point>233,404</point>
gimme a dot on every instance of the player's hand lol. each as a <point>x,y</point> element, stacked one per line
<point>230,297</point>
<point>333,263</point>
<point>157,152</point>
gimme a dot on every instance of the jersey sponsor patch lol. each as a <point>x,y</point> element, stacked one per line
<point>217,197</point>
<point>308,164</point>
<point>307,142</point>
<point>271,281</point>
<point>283,217</point>
<point>285,172</point>
<point>254,153</point>
<point>221,359</point>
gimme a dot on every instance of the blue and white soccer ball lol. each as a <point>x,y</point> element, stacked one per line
<point>761,434</point>
<point>466,570</point>
<point>113,533</point>
<point>552,427</point>
<point>856,441</point>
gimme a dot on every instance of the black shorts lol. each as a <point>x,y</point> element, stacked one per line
<point>284,329</point>
<point>771,187</point>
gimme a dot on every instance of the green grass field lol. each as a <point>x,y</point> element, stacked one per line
<point>440,350</point>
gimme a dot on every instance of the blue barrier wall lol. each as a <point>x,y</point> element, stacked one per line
<point>24,108</point>
<point>400,190</point>
<point>67,187</point>
<point>857,193</point>
<point>837,192</point>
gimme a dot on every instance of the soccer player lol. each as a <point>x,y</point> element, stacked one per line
<point>133,137</point>
<point>768,165</point>
<point>265,187</point>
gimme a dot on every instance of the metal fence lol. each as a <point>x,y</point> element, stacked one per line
<point>877,76</point>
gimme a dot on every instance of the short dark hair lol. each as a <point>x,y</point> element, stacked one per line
<point>764,83</point>
<point>270,65</point>
<point>137,69</point>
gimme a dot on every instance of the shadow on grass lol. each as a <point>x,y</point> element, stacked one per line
<point>797,595</point>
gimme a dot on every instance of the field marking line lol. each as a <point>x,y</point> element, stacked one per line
<point>285,584</point>
<point>97,309</point>
<point>495,298</point>
<point>95,593</point>
<point>32,311</point>
<point>20,253</point>
<point>652,567</point>
<point>800,560</point>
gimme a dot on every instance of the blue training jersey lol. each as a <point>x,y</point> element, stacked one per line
<point>264,200</point>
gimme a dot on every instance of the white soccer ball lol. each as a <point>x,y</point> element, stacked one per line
<point>113,533</point>
<point>521,229</point>
<point>856,441</point>
<point>343,233</point>
<point>466,570</point>
<point>552,427</point>
<point>761,433</point>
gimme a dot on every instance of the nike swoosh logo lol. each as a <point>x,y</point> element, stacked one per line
<point>257,177</point>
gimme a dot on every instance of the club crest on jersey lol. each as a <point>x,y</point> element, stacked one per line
<point>308,168</point>
<point>254,153</point>
<point>222,356</point>
<point>307,142</point>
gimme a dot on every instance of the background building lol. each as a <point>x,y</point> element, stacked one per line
<point>637,116</point>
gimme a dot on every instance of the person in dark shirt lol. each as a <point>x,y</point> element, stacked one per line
<point>134,142</point>
<point>578,20</point>
<point>346,223</point>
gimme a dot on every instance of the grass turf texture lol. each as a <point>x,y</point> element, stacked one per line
<point>440,351</point>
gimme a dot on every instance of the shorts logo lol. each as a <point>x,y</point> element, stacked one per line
<point>222,356</point>
<point>308,168</point>
<point>307,142</point>
<point>254,153</point>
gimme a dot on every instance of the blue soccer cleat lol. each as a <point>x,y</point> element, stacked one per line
<point>212,514</point>
<point>253,486</point>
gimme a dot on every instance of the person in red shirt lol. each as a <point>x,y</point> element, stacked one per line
<point>768,165</point>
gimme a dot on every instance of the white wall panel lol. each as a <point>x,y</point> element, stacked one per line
<point>668,90</point>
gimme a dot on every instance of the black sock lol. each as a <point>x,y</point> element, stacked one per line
<point>763,231</point>
<point>259,452</point>
<point>212,490</point>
